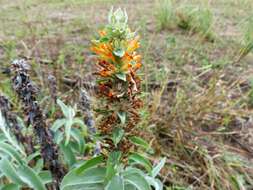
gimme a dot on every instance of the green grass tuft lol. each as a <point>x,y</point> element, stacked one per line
<point>164,13</point>
<point>196,19</point>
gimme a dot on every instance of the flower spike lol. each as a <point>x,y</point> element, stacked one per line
<point>118,84</point>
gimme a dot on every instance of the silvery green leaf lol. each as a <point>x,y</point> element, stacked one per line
<point>58,124</point>
<point>154,183</point>
<point>7,168</point>
<point>39,165</point>
<point>69,156</point>
<point>116,183</point>
<point>119,52</point>
<point>12,140</point>
<point>58,137</point>
<point>64,108</point>
<point>32,179</point>
<point>129,186</point>
<point>117,135</point>
<point>139,141</point>
<point>89,164</point>
<point>136,158</point>
<point>11,151</point>
<point>138,181</point>
<point>68,126</point>
<point>121,76</point>
<point>91,179</point>
<point>155,171</point>
<point>45,176</point>
<point>10,186</point>
<point>122,117</point>
<point>80,123</point>
<point>79,138</point>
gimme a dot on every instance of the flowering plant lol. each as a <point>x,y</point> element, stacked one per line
<point>55,159</point>
<point>117,81</point>
<point>118,106</point>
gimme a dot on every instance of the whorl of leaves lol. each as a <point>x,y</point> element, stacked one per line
<point>27,91</point>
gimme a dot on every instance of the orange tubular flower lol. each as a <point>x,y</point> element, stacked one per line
<point>133,44</point>
<point>104,51</point>
<point>102,33</point>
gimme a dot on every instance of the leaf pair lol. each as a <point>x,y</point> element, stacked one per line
<point>68,122</point>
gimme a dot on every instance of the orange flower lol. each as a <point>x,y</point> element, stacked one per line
<point>133,45</point>
<point>137,58</point>
<point>104,51</point>
<point>130,62</point>
<point>126,67</point>
<point>137,66</point>
<point>127,59</point>
<point>102,33</point>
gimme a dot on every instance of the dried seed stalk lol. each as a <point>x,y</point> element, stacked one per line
<point>27,91</point>
<point>85,107</point>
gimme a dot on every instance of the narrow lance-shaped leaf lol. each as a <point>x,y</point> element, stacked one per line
<point>69,156</point>
<point>154,183</point>
<point>7,134</point>
<point>112,164</point>
<point>30,178</point>
<point>8,149</point>
<point>11,186</point>
<point>58,124</point>
<point>117,135</point>
<point>9,171</point>
<point>158,167</point>
<point>64,108</point>
<point>68,126</point>
<point>79,138</point>
<point>138,181</point>
<point>117,183</point>
<point>46,177</point>
<point>91,179</point>
<point>119,52</point>
<point>139,141</point>
<point>90,163</point>
<point>121,76</point>
<point>122,117</point>
<point>139,159</point>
